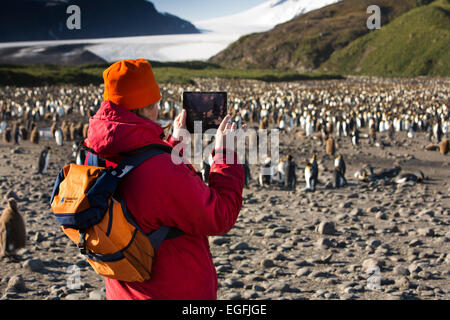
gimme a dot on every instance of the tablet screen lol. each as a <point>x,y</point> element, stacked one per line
<point>207,107</point>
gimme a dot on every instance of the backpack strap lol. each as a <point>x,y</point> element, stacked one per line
<point>92,159</point>
<point>127,165</point>
<point>163,233</point>
<point>157,236</point>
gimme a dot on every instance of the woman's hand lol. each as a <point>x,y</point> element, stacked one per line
<point>179,123</point>
<point>226,132</point>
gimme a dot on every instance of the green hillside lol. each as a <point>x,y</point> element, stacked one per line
<point>165,72</point>
<point>307,41</point>
<point>415,44</point>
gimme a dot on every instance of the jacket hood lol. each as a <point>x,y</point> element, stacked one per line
<point>113,130</point>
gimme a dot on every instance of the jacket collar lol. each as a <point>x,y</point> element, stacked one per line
<point>114,130</point>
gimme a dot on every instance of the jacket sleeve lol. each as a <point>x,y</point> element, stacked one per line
<point>172,141</point>
<point>181,198</point>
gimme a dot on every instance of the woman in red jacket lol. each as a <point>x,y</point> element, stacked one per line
<point>162,193</point>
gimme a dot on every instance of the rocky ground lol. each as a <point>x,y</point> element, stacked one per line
<point>285,245</point>
<point>322,245</point>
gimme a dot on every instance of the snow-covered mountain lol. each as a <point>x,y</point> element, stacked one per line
<point>182,47</point>
<point>262,17</point>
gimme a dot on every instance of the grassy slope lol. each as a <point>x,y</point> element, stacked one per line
<point>173,72</point>
<point>417,43</point>
<point>304,43</point>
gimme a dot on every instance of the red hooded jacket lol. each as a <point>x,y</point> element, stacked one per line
<point>162,193</point>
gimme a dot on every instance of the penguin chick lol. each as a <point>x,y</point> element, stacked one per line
<point>34,138</point>
<point>12,230</point>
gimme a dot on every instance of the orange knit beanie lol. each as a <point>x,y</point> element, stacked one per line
<point>131,84</point>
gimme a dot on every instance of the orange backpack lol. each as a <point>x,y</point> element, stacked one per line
<point>91,213</point>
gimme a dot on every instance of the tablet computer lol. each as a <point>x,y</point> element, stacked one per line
<point>208,109</point>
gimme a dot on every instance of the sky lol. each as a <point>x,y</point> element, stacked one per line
<point>196,10</point>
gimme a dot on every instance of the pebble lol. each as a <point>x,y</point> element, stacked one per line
<point>38,237</point>
<point>426,212</point>
<point>75,296</point>
<point>319,274</point>
<point>324,242</point>
<point>303,272</point>
<point>34,265</point>
<point>425,275</point>
<point>356,212</point>
<point>426,232</point>
<point>16,284</point>
<point>414,268</point>
<point>326,227</point>
<point>345,205</point>
<point>341,216</point>
<point>381,216</point>
<point>401,271</point>
<point>371,263</point>
<point>277,256</point>
<point>220,241</point>
<point>267,263</point>
<point>374,243</point>
<point>240,246</point>
<point>97,295</point>
<point>415,243</point>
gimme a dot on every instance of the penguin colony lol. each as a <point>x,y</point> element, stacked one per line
<point>353,113</point>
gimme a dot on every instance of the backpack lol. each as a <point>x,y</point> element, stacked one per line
<point>94,216</point>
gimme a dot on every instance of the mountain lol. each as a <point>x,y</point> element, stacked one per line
<point>415,44</point>
<point>33,20</point>
<point>262,17</point>
<point>307,41</point>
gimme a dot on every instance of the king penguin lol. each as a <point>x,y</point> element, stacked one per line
<point>265,176</point>
<point>410,177</point>
<point>339,162</point>
<point>59,137</point>
<point>355,137</point>
<point>311,174</point>
<point>23,132</point>
<point>310,177</point>
<point>44,159</point>
<point>80,155</point>
<point>290,177</point>
<point>16,134</point>
<point>205,167</point>
<point>7,135</point>
<point>247,175</point>
<point>339,171</point>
